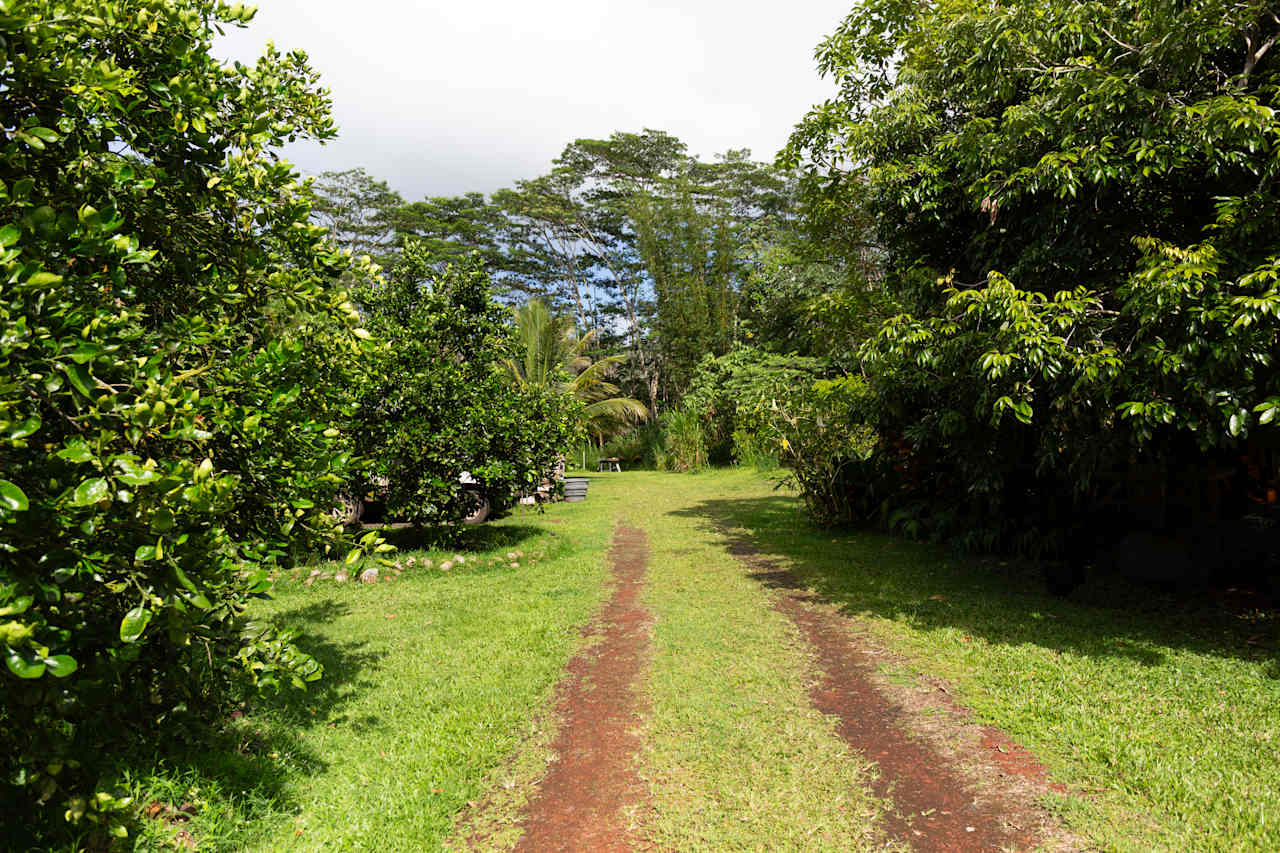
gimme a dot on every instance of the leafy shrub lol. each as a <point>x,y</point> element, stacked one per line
<point>754,449</point>
<point>638,447</point>
<point>172,364</point>
<point>1085,264</point>
<point>432,404</point>
<point>684,444</point>
<point>735,396</point>
<point>827,447</point>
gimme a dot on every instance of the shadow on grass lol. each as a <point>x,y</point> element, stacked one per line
<point>255,759</point>
<point>489,537</point>
<point>1001,602</point>
<point>480,537</point>
<point>349,669</point>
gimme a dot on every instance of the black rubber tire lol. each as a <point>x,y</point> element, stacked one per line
<point>349,510</point>
<point>483,509</point>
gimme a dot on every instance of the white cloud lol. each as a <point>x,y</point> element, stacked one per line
<point>441,98</point>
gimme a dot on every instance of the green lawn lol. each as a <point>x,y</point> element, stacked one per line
<point>1161,717</point>
<point>430,682</point>
<point>1164,716</point>
<point>737,759</point>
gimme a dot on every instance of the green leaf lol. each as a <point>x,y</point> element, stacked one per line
<point>12,499</point>
<point>78,452</point>
<point>80,378</point>
<point>43,132</point>
<point>85,352</point>
<point>9,235</point>
<point>24,667</point>
<point>183,579</point>
<point>134,623</point>
<point>60,666</point>
<point>44,279</point>
<point>134,474</point>
<point>22,429</point>
<point>34,141</point>
<point>19,605</point>
<point>90,492</point>
<point>144,553</point>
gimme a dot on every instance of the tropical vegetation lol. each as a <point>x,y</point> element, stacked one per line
<point>1014,288</point>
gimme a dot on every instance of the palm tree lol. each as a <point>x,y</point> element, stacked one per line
<point>555,359</point>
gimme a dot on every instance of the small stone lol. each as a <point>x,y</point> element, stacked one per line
<point>308,581</point>
<point>511,555</point>
<point>314,573</point>
<point>412,561</point>
<point>369,575</point>
<point>340,577</point>
<point>426,564</point>
<point>515,565</point>
<point>457,559</point>
<point>446,566</point>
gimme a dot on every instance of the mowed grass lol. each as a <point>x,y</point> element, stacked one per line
<point>1162,716</point>
<point>736,757</point>
<point>431,680</point>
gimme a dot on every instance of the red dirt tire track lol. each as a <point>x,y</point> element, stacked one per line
<point>934,807</point>
<point>580,804</point>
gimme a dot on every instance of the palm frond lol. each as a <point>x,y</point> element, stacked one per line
<point>624,409</point>
<point>554,358</point>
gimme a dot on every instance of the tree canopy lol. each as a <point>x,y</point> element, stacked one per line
<point>1073,201</point>
<point>170,344</point>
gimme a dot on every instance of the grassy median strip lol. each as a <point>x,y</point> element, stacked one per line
<point>1163,716</point>
<point>737,758</point>
<point>431,680</point>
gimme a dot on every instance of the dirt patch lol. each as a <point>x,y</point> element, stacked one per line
<point>583,801</point>
<point>954,785</point>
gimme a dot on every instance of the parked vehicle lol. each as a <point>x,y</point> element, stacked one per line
<point>369,508</point>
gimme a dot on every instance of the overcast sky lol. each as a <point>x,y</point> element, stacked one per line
<point>439,98</point>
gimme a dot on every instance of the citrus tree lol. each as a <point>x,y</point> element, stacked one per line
<point>433,404</point>
<point>171,380</point>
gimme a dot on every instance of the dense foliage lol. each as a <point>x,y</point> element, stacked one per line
<point>168,353</point>
<point>737,396</point>
<point>629,235</point>
<point>1075,202</point>
<point>435,403</point>
<point>553,357</point>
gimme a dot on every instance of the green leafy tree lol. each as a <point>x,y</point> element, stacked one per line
<point>434,404</point>
<point>1073,200</point>
<point>552,357</point>
<point>649,245</point>
<point>453,228</point>
<point>735,396</point>
<point>171,382</point>
<point>359,211</point>
<point>691,255</point>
